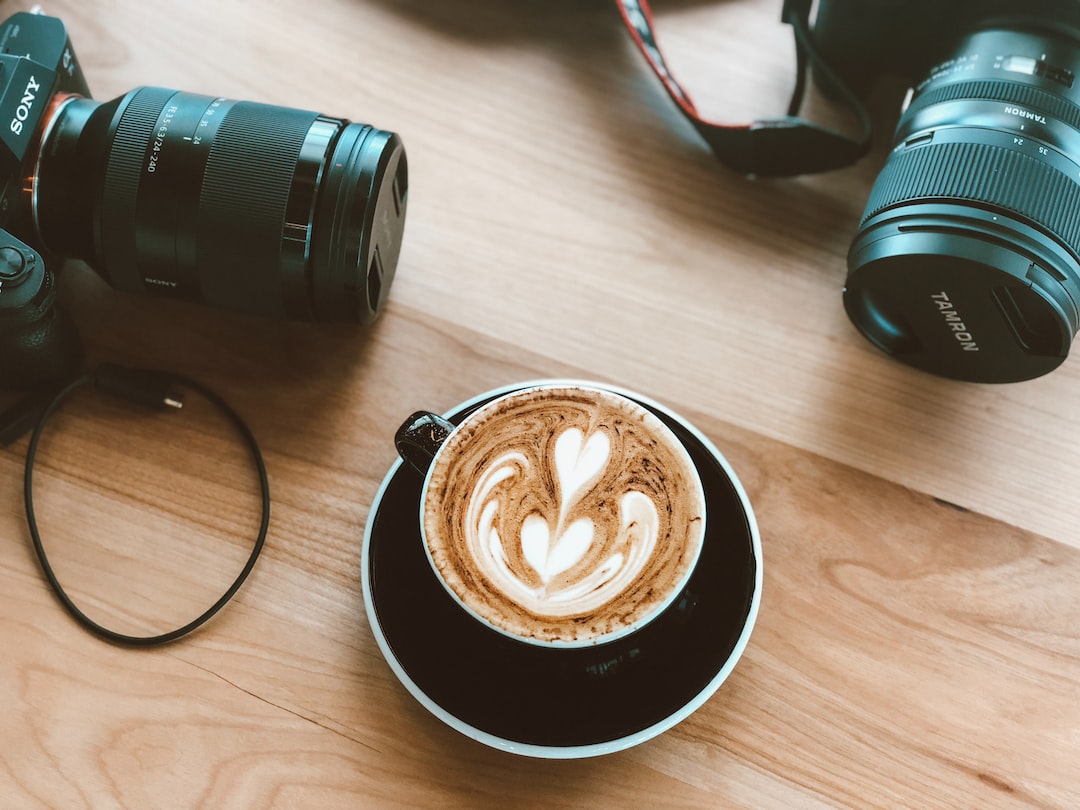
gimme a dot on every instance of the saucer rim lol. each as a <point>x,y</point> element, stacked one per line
<point>589,749</point>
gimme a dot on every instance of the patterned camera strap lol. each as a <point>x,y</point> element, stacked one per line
<point>778,147</point>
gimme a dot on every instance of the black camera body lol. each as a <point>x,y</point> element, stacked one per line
<point>37,62</point>
<point>966,262</point>
<point>243,206</point>
<point>864,40</point>
<point>38,342</point>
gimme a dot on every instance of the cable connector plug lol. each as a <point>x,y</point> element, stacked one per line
<point>155,389</point>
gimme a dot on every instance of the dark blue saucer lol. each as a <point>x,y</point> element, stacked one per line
<point>568,702</point>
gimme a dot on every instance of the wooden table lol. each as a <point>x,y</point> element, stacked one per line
<point>919,637</point>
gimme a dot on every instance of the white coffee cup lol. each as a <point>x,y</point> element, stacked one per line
<point>560,514</point>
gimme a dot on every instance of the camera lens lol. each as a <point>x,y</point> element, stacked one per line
<point>967,260</point>
<point>248,207</point>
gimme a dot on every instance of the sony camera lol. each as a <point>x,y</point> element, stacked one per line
<point>248,207</point>
<point>966,262</point>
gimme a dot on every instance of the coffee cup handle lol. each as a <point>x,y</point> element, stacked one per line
<point>419,438</point>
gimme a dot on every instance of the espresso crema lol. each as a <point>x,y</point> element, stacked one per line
<point>563,514</point>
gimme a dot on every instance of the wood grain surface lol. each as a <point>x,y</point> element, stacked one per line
<point>919,637</point>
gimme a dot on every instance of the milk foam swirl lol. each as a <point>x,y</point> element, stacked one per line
<point>563,514</point>
<point>551,547</point>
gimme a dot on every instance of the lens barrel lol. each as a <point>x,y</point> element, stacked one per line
<point>967,260</point>
<point>247,207</point>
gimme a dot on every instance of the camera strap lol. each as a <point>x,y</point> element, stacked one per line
<point>776,147</point>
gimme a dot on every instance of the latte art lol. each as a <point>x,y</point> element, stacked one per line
<point>563,514</point>
<point>560,577</point>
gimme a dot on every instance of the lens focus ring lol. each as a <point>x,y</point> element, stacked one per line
<point>991,176</point>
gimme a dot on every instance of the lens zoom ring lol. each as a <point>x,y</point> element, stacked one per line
<point>130,142</point>
<point>1022,95</point>
<point>992,176</point>
<point>119,192</point>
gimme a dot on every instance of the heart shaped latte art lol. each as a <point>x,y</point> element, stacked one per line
<point>572,565</point>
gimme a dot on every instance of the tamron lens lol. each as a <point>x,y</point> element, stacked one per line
<point>243,206</point>
<point>967,261</point>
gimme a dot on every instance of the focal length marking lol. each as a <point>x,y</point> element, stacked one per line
<point>159,138</point>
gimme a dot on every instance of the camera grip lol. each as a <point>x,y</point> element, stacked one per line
<point>40,342</point>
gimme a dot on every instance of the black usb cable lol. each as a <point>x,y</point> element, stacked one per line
<point>150,388</point>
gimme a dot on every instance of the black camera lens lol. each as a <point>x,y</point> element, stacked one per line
<point>248,207</point>
<point>967,260</point>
